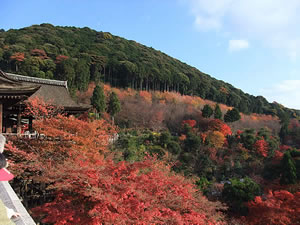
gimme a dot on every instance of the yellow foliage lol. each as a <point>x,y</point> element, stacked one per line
<point>215,139</point>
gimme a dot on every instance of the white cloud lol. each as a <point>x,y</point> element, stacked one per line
<point>273,22</point>
<point>287,93</point>
<point>237,45</point>
<point>206,23</point>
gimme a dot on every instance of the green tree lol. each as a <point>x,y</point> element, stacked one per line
<point>232,115</point>
<point>174,147</point>
<point>248,138</point>
<point>65,71</point>
<point>289,174</point>
<point>114,105</point>
<point>207,111</point>
<point>82,78</point>
<point>165,138</point>
<point>218,112</point>
<point>192,142</point>
<point>236,192</point>
<point>98,99</point>
<point>284,122</point>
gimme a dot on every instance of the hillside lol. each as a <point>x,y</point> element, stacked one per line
<point>166,110</point>
<point>77,176</point>
<point>81,55</point>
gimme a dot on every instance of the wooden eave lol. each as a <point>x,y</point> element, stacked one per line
<point>10,87</point>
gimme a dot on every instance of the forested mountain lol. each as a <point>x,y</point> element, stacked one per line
<point>81,55</point>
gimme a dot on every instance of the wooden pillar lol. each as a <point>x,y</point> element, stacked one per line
<point>30,125</point>
<point>19,127</point>
<point>1,118</point>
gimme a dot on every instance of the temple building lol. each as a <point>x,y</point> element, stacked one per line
<point>15,89</point>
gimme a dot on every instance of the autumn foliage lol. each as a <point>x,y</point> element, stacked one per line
<point>39,109</point>
<point>276,208</point>
<point>219,125</point>
<point>18,56</point>
<point>124,193</point>
<point>72,159</point>
<point>61,58</point>
<point>216,139</point>
<point>191,123</point>
<point>261,147</point>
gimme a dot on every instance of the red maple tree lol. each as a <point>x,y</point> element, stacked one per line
<point>261,147</point>
<point>39,109</point>
<point>191,123</point>
<point>219,125</point>
<point>123,193</point>
<point>276,208</point>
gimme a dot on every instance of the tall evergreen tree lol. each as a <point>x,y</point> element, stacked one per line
<point>98,99</point>
<point>82,78</point>
<point>289,174</point>
<point>114,105</point>
<point>232,115</point>
<point>207,111</point>
<point>284,130</point>
<point>218,112</point>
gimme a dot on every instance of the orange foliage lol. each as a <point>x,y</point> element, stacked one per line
<point>163,102</point>
<point>61,58</point>
<point>257,121</point>
<point>203,137</point>
<point>182,137</point>
<point>147,96</point>
<point>216,139</point>
<point>219,125</point>
<point>18,56</point>
<point>107,89</point>
<point>84,97</point>
<point>40,109</point>
<point>170,97</point>
<point>129,92</point>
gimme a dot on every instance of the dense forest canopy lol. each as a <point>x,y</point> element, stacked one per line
<point>81,55</point>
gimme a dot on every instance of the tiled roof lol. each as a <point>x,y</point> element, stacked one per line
<point>37,80</point>
<point>53,91</point>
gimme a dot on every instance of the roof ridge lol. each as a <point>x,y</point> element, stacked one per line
<point>37,80</point>
<point>9,79</point>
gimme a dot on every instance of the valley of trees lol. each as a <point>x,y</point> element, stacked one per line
<point>175,162</point>
<point>81,55</point>
<point>163,144</point>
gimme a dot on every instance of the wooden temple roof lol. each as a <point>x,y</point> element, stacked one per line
<point>53,91</point>
<point>13,88</point>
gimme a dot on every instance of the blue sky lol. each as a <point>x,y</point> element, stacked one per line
<point>252,44</point>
